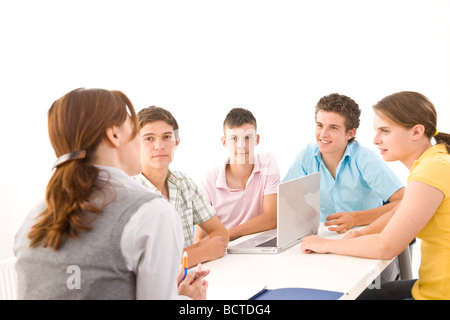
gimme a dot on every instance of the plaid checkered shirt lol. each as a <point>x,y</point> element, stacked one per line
<point>190,203</point>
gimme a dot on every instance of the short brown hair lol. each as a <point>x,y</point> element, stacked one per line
<point>154,113</point>
<point>342,105</point>
<point>237,117</point>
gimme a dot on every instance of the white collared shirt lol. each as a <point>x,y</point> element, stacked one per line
<point>151,243</point>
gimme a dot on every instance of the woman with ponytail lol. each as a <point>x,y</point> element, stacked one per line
<point>406,125</point>
<point>98,234</point>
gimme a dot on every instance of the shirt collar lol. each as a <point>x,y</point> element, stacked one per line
<point>171,179</point>
<point>107,172</point>
<point>221,181</point>
<point>349,151</point>
<point>116,175</point>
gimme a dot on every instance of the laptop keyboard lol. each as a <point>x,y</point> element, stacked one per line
<point>269,243</point>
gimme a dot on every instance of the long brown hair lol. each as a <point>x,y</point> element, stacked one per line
<point>77,121</point>
<point>407,109</point>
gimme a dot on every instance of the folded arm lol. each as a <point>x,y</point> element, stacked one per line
<point>265,221</point>
<point>211,239</point>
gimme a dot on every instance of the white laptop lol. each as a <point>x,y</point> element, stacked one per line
<point>298,216</point>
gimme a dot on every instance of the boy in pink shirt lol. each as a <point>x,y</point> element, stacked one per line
<point>243,190</point>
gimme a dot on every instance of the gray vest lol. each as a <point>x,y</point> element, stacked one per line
<point>90,266</point>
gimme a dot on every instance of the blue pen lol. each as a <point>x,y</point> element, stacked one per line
<point>185,264</point>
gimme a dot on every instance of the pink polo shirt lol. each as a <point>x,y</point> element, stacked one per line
<point>235,206</point>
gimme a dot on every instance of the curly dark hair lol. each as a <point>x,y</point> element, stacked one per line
<point>342,105</point>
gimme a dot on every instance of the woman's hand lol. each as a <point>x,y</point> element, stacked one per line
<point>314,244</point>
<point>194,285</point>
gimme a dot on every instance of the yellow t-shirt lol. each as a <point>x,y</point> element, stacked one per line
<point>433,168</point>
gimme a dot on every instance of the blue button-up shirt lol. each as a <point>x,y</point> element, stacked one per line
<point>363,180</point>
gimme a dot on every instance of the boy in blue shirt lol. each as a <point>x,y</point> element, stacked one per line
<point>355,183</point>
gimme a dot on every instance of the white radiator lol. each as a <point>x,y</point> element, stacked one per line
<point>8,279</point>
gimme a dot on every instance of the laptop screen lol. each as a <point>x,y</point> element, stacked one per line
<point>298,208</point>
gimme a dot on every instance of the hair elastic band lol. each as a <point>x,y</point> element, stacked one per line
<point>80,154</point>
<point>436,133</point>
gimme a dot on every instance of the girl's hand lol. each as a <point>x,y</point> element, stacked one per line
<point>314,244</point>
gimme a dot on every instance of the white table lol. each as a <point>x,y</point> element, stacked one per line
<point>239,276</point>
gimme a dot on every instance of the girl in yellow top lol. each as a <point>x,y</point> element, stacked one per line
<point>405,124</point>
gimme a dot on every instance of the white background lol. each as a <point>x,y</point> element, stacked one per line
<point>199,59</point>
